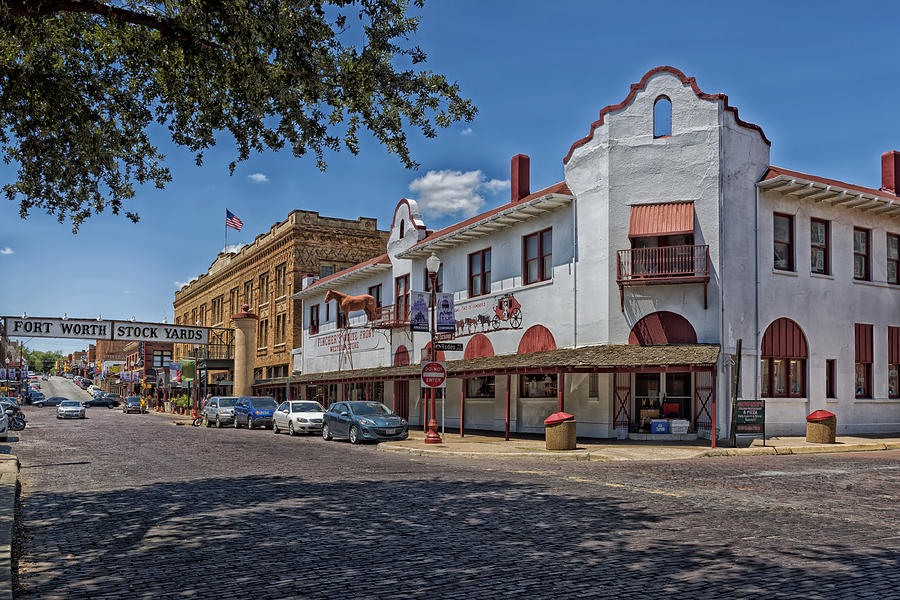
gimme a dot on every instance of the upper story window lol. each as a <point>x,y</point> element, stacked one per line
<point>893,258</point>
<point>861,264</point>
<point>864,359</point>
<point>401,293</point>
<point>264,288</point>
<point>783,230</point>
<point>537,251</point>
<point>235,298</point>
<point>480,273</point>
<point>263,333</point>
<point>203,314</point>
<point>375,292</point>
<point>314,319</point>
<point>820,253</point>
<point>662,117</point>
<point>281,280</point>
<point>248,293</point>
<point>326,270</point>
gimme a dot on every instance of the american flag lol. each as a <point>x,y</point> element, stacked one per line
<point>232,221</point>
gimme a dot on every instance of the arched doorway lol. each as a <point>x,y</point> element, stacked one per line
<point>662,327</point>
<point>536,339</point>
<point>401,357</point>
<point>783,360</point>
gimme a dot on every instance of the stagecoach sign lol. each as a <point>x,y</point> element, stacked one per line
<point>91,329</point>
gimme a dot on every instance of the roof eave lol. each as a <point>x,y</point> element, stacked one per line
<point>831,194</point>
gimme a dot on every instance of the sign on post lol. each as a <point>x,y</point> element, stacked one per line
<point>448,347</point>
<point>418,312</point>
<point>434,375</point>
<point>446,313</point>
<point>750,417</point>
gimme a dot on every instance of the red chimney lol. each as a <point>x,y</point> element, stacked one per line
<point>890,171</point>
<point>519,187</point>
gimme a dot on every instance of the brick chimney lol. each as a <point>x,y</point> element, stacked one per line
<point>890,171</point>
<point>519,168</point>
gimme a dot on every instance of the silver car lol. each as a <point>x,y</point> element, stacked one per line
<point>219,411</point>
<point>70,409</point>
<point>298,416</point>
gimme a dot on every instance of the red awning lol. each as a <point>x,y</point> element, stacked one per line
<point>672,218</point>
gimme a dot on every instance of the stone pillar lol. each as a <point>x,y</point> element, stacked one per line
<point>244,350</point>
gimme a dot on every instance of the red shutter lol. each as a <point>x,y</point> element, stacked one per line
<point>863,342</point>
<point>784,339</point>
<point>894,345</point>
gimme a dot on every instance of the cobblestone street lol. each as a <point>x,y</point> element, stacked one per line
<point>132,506</point>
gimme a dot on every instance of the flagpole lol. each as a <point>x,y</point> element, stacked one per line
<point>225,247</point>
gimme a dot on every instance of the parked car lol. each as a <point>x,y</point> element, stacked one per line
<point>4,427</point>
<point>103,400</point>
<point>35,397</point>
<point>298,416</point>
<point>219,410</point>
<point>70,409</point>
<point>253,411</point>
<point>362,421</point>
<point>132,404</point>
<point>52,401</point>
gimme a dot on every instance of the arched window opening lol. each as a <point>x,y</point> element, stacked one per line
<point>783,360</point>
<point>402,229</point>
<point>662,327</point>
<point>662,117</point>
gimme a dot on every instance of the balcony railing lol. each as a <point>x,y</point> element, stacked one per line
<point>388,317</point>
<point>662,265</point>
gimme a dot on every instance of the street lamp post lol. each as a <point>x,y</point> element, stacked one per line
<point>433,265</point>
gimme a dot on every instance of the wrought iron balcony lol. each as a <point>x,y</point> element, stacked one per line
<point>662,265</point>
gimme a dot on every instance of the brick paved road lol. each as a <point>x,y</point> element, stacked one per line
<point>131,506</point>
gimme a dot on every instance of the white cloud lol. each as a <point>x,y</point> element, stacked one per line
<point>259,177</point>
<point>454,192</point>
<point>128,292</point>
<point>6,250</point>
<point>181,284</point>
<point>233,248</point>
<point>466,131</point>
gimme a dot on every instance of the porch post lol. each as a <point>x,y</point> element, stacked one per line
<point>508,385</point>
<point>462,408</point>
<point>424,409</point>
<point>561,381</point>
<point>714,394</point>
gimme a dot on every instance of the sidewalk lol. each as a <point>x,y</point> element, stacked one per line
<point>177,419</point>
<point>491,446</point>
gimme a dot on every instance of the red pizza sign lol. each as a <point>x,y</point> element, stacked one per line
<point>434,375</point>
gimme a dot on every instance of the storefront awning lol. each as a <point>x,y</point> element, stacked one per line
<point>609,358</point>
<point>671,218</point>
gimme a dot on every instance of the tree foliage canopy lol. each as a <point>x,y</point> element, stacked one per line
<point>83,81</point>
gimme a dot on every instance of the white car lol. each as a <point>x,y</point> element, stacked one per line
<point>298,416</point>
<point>4,426</point>
<point>70,409</point>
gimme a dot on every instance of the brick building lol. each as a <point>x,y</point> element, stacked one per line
<point>263,275</point>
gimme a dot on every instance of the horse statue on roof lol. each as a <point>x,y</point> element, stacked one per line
<point>347,303</point>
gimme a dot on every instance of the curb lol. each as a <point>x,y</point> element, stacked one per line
<point>382,447</point>
<point>9,475</point>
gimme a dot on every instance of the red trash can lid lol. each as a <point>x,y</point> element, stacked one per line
<point>558,418</point>
<point>820,415</point>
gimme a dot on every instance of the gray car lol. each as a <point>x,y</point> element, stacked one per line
<point>219,411</point>
<point>70,409</point>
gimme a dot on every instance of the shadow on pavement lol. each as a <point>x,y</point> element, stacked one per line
<point>287,537</point>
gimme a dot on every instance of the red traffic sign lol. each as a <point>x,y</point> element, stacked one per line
<point>434,375</point>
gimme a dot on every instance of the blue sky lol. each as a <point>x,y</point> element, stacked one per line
<point>820,78</point>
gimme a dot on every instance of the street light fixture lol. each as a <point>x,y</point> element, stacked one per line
<point>433,265</point>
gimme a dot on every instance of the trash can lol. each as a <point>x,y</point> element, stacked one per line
<point>559,431</point>
<point>821,427</point>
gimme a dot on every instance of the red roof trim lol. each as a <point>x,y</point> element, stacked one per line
<point>409,208</point>
<point>378,260</point>
<point>774,172</point>
<point>636,87</point>
<point>556,188</point>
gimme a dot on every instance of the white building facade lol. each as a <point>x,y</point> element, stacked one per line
<point>621,293</point>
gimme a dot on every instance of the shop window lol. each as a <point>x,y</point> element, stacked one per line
<point>830,383</point>
<point>537,250</point>
<point>662,117</point>
<point>480,387</point>
<point>783,231</point>
<point>480,273</point>
<point>893,258</point>
<point>861,268</point>
<point>863,359</point>
<point>314,319</point>
<point>538,386</point>
<point>820,256</point>
<point>375,292</point>
<point>863,380</point>
<point>893,362</point>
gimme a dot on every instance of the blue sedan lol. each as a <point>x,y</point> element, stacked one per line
<point>363,421</point>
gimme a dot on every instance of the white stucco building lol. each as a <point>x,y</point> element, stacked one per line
<point>622,291</point>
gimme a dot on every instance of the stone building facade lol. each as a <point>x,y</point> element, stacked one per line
<point>265,273</point>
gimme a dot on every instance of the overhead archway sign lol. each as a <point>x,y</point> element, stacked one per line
<point>93,329</point>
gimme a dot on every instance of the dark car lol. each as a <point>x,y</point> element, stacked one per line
<point>35,397</point>
<point>253,411</point>
<point>104,399</point>
<point>52,401</point>
<point>132,404</point>
<point>362,421</point>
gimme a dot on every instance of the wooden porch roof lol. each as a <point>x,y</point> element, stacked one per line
<point>589,359</point>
